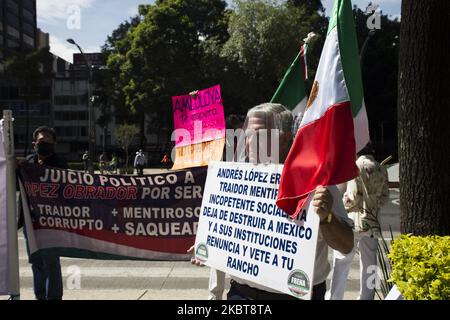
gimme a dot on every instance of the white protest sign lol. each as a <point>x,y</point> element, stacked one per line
<point>243,233</point>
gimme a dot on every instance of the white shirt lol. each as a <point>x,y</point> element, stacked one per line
<point>322,266</point>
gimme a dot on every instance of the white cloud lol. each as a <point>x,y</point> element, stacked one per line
<point>50,11</point>
<point>65,50</point>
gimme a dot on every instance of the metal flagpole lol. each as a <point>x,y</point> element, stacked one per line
<point>13,251</point>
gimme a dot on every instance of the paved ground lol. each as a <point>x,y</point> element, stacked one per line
<point>129,280</point>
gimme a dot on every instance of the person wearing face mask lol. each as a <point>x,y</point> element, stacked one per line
<point>47,277</point>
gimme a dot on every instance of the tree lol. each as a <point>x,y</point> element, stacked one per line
<point>125,136</point>
<point>424,130</point>
<point>28,70</point>
<point>265,37</point>
<point>118,42</point>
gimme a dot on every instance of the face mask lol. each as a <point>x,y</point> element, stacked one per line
<point>45,149</point>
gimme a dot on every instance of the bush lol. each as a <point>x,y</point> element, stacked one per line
<point>421,267</point>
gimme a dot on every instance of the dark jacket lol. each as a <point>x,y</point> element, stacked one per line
<point>54,161</point>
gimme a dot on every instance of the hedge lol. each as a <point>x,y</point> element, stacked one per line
<point>421,267</point>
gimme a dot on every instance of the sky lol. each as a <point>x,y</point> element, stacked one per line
<point>89,22</point>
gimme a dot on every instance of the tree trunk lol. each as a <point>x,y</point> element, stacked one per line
<point>424,123</point>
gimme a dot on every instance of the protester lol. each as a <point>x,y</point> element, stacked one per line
<point>46,267</point>
<point>139,162</point>
<point>86,161</point>
<point>364,197</point>
<point>335,226</point>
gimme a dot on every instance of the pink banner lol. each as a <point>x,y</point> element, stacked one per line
<point>198,118</point>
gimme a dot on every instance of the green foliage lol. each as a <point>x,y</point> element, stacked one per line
<point>421,267</point>
<point>102,95</point>
<point>126,134</point>
<point>79,166</point>
<point>29,71</point>
<point>177,46</point>
<point>311,5</point>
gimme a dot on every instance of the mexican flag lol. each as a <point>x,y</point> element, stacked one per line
<point>334,126</point>
<point>291,93</point>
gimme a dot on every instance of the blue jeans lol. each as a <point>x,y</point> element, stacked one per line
<point>47,277</point>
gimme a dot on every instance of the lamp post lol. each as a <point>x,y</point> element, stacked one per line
<point>91,134</point>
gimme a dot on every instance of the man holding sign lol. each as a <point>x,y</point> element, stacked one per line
<point>267,138</point>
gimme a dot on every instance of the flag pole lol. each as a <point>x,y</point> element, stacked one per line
<point>13,251</point>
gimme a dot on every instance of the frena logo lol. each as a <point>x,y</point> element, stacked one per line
<point>202,252</point>
<point>298,283</point>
